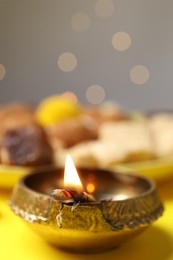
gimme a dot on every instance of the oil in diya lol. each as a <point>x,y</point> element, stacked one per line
<point>117,207</point>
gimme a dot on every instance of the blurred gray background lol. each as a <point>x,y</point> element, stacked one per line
<point>100,50</point>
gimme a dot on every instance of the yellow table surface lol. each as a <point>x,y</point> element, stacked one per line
<point>17,241</point>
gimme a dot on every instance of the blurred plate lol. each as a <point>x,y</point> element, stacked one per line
<point>9,175</point>
<point>157,169</point>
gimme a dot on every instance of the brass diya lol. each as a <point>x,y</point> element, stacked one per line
<point>125,205</point>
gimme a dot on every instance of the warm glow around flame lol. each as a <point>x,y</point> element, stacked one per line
<point>71,177</point>
<point>90,187</point>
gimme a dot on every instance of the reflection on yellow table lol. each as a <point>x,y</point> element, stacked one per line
<point>17,241</point>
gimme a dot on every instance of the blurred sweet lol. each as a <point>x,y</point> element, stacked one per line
<point>85,126</point>
<point>25,146</point>
<point>72,131</point>
<point>92,153</point>
<point>161,127</point>
<point>133,137</point>
<point>22,140</point>
<point>99,136</point>
<point>108,111</point>
<point>16,107</point>
<point>14,115</point>
<point>56,108</point>
<point>117,142</point>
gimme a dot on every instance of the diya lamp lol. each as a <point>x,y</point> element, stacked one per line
<point>97,211</point>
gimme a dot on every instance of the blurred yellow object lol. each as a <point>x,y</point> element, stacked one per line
<point>9,175</point>
<point>157,169</point>
<point>56,108</point>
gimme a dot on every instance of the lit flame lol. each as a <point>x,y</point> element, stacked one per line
<point>71,177</point>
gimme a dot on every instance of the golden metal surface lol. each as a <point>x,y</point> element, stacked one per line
<point>125,205</point>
